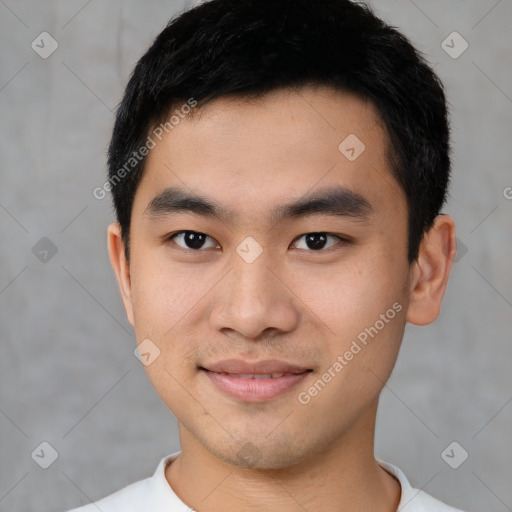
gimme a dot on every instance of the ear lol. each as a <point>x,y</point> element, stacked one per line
<point>431,271</point>
<point>121,267</point>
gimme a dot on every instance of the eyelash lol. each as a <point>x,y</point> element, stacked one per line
<point>341,240</point>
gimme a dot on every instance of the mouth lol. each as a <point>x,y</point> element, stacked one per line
<point>254,382</point>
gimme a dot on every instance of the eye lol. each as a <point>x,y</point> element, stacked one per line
<point>194,240</point>
<point>316,241</point>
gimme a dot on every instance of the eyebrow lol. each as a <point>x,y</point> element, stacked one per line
<point>335,201</point>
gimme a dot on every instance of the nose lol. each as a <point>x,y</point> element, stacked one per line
<point>254,302</point>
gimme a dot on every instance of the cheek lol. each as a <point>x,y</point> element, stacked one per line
<point>361,307</point>
<point>351,297</point>
<point>363,320</point>
<point>162,294</point>
<point>163,299</point>
<point>167,301</point>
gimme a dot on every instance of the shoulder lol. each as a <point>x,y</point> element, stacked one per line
<point>415,500</point>
<point>151,494</point>
<point>426,503</point>
<point>128,499</point>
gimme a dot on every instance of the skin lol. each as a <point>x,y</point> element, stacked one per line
<point>292,303</point>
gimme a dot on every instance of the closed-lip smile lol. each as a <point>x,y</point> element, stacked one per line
<point>254,381</point>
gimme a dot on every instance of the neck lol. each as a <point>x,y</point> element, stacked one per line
<point>341,477</point>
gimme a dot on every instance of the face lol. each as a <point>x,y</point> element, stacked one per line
<point>265,243</point>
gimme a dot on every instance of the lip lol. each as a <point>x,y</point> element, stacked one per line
<point>238,366</point>
<point>245,381</point>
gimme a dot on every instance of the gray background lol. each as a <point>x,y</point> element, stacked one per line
<point>67,372</point>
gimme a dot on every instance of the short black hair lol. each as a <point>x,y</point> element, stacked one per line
<point>246,48</point>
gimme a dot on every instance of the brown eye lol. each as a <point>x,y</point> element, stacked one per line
<point>194,240</point>
<point>316,241</point>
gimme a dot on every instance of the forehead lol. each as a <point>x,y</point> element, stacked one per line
<point>252,153</point>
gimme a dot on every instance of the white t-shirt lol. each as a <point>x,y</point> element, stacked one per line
<point>154,494</point>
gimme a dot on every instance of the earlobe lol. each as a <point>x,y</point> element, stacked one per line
<point>121,267</point>
<point>431,270</point>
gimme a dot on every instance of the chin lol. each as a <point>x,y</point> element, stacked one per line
<point>262,453</point>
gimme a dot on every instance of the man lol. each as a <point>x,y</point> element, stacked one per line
<point>278,169</point>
